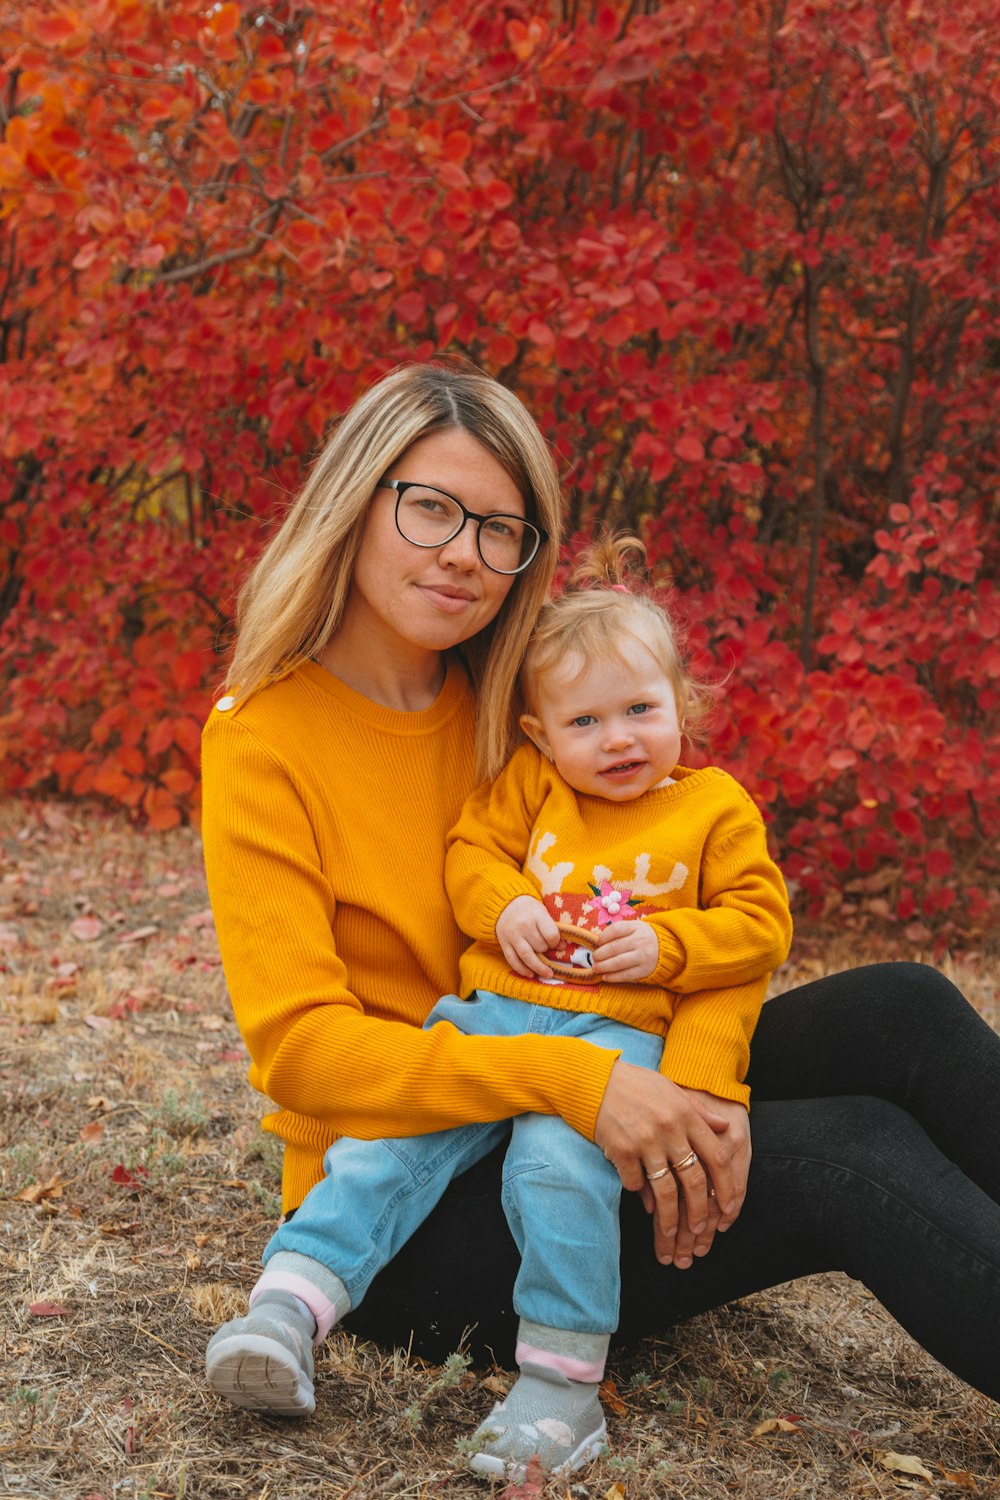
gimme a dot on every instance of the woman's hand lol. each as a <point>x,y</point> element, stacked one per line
<point>626,951</point>
<point>647,1123</point>
<point>687,1243</point>
<point>525,931</point>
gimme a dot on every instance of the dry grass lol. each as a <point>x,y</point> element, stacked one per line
<point>129,1067</point>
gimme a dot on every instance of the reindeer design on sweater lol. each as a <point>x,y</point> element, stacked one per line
<point>581,915</point>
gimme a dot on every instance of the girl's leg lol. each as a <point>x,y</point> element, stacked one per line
<point>561,1197</point>
<point>319,1263</point>
<point>371,1199</point>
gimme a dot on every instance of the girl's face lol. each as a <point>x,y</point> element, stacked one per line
<point>408,598</point>
<point>610,726</point>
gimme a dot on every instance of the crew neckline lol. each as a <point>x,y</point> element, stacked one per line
<point>395,720</point>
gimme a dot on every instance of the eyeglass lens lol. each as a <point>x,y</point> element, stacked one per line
<point>429,518</point>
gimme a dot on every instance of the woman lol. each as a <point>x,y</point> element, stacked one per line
<point>334,768</point>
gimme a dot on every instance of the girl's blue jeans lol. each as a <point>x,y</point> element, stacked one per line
<point>560,1196</point>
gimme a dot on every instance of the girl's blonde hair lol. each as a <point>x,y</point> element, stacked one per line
<point>605,600</point>
<point>293,601</point>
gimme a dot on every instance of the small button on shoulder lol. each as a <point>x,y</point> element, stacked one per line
<point>225,704</point>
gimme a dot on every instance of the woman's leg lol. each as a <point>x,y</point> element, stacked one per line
<point>845,1184</point>
<point>837,1183</point>
<point>896,1031</point>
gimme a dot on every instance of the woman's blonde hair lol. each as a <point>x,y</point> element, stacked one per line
<point>605,600</point>
<point>292,603</point>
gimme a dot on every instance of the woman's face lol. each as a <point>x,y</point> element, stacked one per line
<point>405,597</point>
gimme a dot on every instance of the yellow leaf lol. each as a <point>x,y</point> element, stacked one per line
<point>961,1477</point>
<point>903,1463</point>
<point>775,1424</point>
<point>616,1492</point>
<point>611,1398</point>
<point>37,1191</point>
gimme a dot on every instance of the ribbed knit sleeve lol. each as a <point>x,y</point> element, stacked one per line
<point>741,928</point>
<point>708,1043</point>
<point>488,845</point>
<point>324,851</point>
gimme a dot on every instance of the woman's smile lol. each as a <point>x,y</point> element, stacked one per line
<point>451,598</point>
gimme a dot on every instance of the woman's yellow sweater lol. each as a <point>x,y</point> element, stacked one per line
<point>325,817</point>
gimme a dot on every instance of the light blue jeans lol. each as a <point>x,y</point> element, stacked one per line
<point>560,1194</point>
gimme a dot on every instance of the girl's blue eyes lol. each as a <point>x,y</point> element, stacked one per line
<point>583,721</point>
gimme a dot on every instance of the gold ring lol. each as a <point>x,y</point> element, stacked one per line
<point>691,1160</point>
<point>652,1176</point>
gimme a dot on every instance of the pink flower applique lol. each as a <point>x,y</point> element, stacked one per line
<point>612,903</point>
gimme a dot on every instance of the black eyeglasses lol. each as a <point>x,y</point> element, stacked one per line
<point>429,517</point>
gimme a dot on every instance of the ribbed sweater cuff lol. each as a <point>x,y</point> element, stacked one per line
<point>502,894</point>
<point>697,1058</point>
<point>586,1091</point>
<point>671,961</point>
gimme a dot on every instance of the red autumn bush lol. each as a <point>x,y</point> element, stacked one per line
<point>740,259</point>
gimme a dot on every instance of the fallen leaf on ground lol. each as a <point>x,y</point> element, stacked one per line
<point>86,929</point>
<point>99,1023</point>
<point>139,934</point>
<point>93,1131</point>
<point>610,1397</point>
<point>145,994</point>
<point>775,1424</point>
<point>903,1463</point>
<point>37,1191</point>
<point>47,1310</point>
<point>199,919</point>
<point>530,1487</point>
<point>961,1477</point>
<point>616,1492</point>
<point>130,1178</point>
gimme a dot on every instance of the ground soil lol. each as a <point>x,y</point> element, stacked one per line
<point>136,1191</point>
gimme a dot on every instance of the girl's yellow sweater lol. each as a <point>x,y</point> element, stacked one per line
<point>325,817</point>
<point>689,858</point>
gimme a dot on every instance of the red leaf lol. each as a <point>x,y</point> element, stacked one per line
<point>690,449</point>
<point>48,1310</point>
<point>541,334</point>
<point>225,20</point>
<point>131,1179</point>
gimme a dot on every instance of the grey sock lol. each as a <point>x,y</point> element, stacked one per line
<point>545,1416</point>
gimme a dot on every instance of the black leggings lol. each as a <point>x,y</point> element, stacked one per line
<point>876,1151</point>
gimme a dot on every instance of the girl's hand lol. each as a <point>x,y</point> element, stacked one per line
<point>525,931</point>
<point>646,1123</point>
<point>626,951</point>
